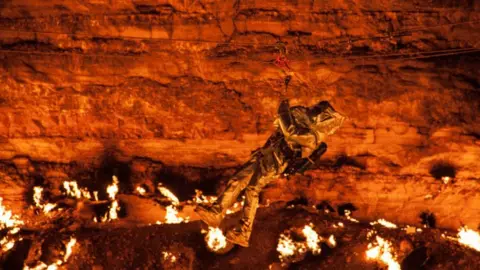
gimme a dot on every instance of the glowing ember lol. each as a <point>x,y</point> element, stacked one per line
<point>215,239</point>
<point>445,179</point>
<point>382,250</point>
<point>167,193</point>
<point>313,239</point>
<point>469,238</point>
<point>37,199</point>
<point>384,223</point>
<point>169,256</point>
<point>141,191</point>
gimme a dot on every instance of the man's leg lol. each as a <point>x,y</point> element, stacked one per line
<point>241,234</point>
<point>214,214</point>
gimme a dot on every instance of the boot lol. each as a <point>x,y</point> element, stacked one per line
<point>238,236</point>
<point>212,215</point>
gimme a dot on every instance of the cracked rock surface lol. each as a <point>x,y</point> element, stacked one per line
<point>193,84</point>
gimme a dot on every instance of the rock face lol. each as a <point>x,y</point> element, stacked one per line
<point>193,83</point>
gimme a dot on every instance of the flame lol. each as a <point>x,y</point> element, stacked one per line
<point>384,223</point>
<point>287,247</point>
<point>215,239</point>
<point>68,248</point>
<point>347,215</point>
<point>72,190</point>
<point>331,241</point>
<point>54,266</point>
<point>469,238</point>
<point>338,225</point>
<point>112,189</point>
<point>171,216</point>
<point>312,239</point>
<point>8,222</point>
<point>114,207</point>
<point>95,195</point>
<point>167,193</point>
<point>7,244</point>
<point>202,199</point>
<point>382,250</point>
<point>167,255</point>
<point>141,190</point>
<point>445,179</point>
<point>37,199</point>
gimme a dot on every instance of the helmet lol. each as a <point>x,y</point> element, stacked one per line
<point>325,119</point>
<point>322,106</point>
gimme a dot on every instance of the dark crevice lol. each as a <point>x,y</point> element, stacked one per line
<point>443,169</point>
<point>344,160</point>
<point>346,207</point>
<point>428,219</point>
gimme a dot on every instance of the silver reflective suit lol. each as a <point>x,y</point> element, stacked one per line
<point>293,139</point>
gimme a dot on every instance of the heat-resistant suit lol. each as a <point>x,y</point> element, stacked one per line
<point>300,131</point>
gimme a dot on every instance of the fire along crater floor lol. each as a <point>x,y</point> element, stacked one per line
<point>152,247</point>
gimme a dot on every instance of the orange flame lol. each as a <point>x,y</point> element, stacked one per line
<point>169,256</point>
<point>313,239</point>
<point>112,191</point>
<point>37,199</point>
<point>384,223</point>
<point>72,190</point>
<point>445,179</point>
<point>347,215</point>
<point>54,266</point>
<point>382,250</point>
<point>469,238</point>
<point>9,222</point>
<point>141,190</point>
<point>203,199</point>
<point>215,239</point>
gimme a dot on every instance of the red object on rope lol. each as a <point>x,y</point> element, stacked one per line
<point>282,62</point>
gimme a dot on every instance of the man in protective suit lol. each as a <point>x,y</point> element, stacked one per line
<point>295,147</point>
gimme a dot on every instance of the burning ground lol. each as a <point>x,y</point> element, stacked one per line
<point>287,235</point>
